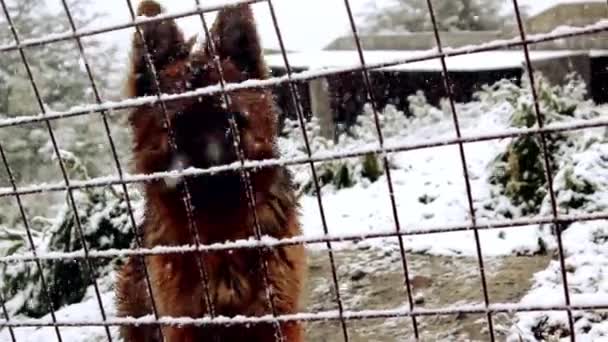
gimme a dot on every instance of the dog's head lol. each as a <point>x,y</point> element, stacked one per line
<point>198,132</point>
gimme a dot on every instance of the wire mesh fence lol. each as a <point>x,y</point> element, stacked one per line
<point>262,243</point>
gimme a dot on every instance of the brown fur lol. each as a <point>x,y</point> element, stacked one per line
<point>221,210</point>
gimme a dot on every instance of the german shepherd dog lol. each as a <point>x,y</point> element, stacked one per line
<point>199,135</point>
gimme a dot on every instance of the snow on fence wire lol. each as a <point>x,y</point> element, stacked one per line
<point>259,242</point>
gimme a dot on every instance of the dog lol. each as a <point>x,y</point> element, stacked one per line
<point>196,132</point>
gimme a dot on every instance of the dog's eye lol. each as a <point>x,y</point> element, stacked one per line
<point>196,76</point>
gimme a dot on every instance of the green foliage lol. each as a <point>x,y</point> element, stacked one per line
<point>420,108</point>
<point>345,173</point>
<point>62,82</point>
<point>579,188</point>
<point>520,172</point>
<point>56,67</point>
<point>372,169</point>
<point>582,181</point>
<point>105,224</point>
<point>12,240</point>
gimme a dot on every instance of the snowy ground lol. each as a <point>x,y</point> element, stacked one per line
<point>87,310</point>
<point>586,260</point>
<point>430,192</point>
<point>587,264</point>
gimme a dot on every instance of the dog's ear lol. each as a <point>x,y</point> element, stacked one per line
<point>236,39</point>
<point>162,40</point>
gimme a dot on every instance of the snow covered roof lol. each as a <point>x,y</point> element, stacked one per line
<point>598,53</point>
<point>492,60</point>
<point>538,7</point>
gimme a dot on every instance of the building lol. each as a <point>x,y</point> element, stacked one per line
<point>343,95</point>
<point>575,13</point>
<point>568,13</point>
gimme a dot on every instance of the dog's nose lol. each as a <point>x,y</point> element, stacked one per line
<point>178,163</point>
<point>214,152</point>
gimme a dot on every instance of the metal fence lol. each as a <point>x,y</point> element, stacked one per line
<point>244,166</point>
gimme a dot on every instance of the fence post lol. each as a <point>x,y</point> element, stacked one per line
<point>320,106</point>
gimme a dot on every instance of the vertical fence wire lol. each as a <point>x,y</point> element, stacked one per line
<point>186,196</point>
<point>294,97</point>
<point>32,244</point>
<point>138,235</point>
<point>90,270</point>
<point>246,179</point>
<point>389,179</point>
<point>559,224</point>
<point>7,317</point>
<point>547,166</point>
<point>448,89</point>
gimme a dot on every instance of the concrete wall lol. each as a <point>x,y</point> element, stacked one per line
<point>320,105</point>
<point>572,14</point>
<point>556,69</point>
<point>414,41</point>
<point>596,41</point>
<point>426,40</point>
<point>340,98</point>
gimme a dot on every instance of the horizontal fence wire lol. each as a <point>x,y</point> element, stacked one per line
<point>262,243</point>
<point>447,85</point>
<point>389,148</point>
<point>80,234</point>
<point>268,242</point>
<point>598,27</point>
<point>59,37</point>
<point>294,97</point>
<point>385,163</point>
<point>547,167</point>
<point>309,317</point>
<point>104,115</point>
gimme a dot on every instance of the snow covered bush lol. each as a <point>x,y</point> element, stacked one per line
<point>581,187</point>
<point>421,109</point>
<point>581,182</point>
<point>345,173</point>
<point>519,172</point>
<point>60,76</point>
<point>106,224</point>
